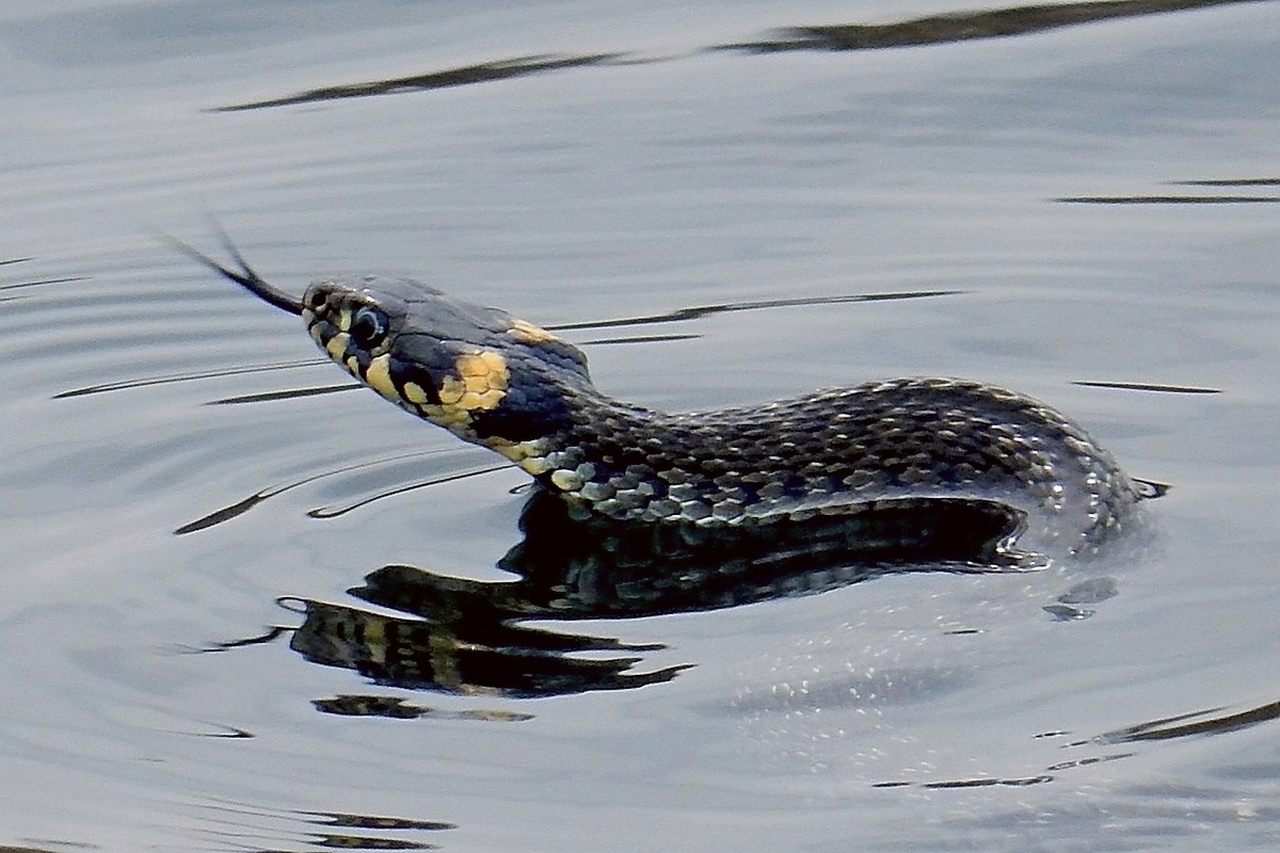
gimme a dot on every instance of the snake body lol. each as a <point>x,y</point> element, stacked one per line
<point>506,384</point>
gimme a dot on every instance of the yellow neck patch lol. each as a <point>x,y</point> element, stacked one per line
<point>480,383</point>
<point>378,377</point>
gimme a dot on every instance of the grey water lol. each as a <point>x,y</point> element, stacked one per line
<point>1090,191</point>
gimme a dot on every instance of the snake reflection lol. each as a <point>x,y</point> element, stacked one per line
<point>464,636</point>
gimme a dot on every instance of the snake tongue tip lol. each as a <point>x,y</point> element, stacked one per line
<point>246,276</point>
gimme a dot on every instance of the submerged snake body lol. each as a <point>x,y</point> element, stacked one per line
<point>501,382</point>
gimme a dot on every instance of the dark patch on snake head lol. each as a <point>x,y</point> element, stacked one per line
<point>528,411</point>
<point>406,374</point>
<point>555,353</point>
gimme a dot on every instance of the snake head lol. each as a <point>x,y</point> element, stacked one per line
<point>481,373</point>
<point>490,378</point>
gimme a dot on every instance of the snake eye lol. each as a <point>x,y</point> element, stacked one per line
<point>316,300</point>
<point>368,327</point>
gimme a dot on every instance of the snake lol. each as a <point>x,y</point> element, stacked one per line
<point>511,386</point>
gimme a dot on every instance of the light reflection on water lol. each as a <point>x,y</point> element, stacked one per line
<point>928,711</point>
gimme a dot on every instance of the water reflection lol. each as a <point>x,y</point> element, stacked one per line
<point>1069,606</point>
<point>1208,722</point>
<point>392,707</point>
<point>1168,199</point>
<point>483,72</point>
<point>1187,198</point>
<point>463,636</point>
<point>6,294</point>
<point>697,312</point>
<point>242,824</point>
<point>1212,721</point>
<point>969,25</point>
<point>964,25</point>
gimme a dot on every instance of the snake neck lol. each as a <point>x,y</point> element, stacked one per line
<point>831,453</point>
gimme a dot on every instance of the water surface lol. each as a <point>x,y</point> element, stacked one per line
<point>1090,190</point>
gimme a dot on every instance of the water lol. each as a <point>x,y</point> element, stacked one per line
<point>687,168</point>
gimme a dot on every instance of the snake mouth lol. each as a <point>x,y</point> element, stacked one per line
<point>246,276</point>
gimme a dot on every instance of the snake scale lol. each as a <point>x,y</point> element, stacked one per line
<point>515,388</point>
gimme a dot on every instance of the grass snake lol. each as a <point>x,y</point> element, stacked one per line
<point>515,388</point>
